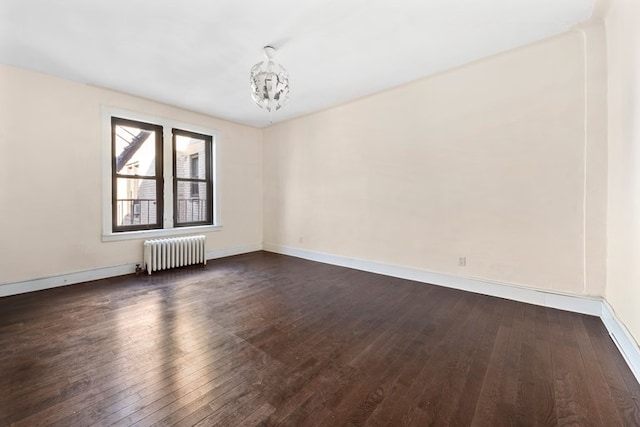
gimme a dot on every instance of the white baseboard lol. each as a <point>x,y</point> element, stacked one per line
<point>65,279</point>
<point>622,337</point>
<point>101,273</point>
<point>574,303</point>
<point>578,304</point>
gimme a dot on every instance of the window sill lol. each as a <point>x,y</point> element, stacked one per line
<point>166,232</point>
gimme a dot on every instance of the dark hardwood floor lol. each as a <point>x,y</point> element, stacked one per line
<point>265,339</point>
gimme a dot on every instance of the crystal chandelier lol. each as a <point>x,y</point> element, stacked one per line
<point>269,82</point>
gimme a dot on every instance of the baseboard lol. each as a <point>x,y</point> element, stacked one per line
<point>622,337</point>
<point>101,273</point>
<point>65,279</point>
<point>574,303</point>
<point>578,304</point>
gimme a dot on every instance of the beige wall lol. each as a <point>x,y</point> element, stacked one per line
<point>485,161</point>
<point>51,177</point>
<point>504,161</point>
<point>623,249</point>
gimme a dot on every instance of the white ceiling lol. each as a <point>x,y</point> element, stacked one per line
<point>196,54</point>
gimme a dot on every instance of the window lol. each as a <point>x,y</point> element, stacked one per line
<point>136,175</point>
<point>193,185</point>
<point>160,177</point>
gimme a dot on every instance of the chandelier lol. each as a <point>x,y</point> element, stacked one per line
<point>269,82</point>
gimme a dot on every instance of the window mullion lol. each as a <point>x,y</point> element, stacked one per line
<point>168,178</point>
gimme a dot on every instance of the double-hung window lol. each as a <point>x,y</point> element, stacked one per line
<point>192,181</point>
<point>162,178</point>
<point>137,196</point>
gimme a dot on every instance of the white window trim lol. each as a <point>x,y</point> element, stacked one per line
<point>167,125</point>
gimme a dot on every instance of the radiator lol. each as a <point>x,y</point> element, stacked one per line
<point>162,254</point>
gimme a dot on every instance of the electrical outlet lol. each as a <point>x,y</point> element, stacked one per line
<point>462,261</point>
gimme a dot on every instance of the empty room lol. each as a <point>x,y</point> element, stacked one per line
<point>321,213</point>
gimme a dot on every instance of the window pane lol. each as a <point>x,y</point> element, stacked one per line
<point>135,151</point>
<point>190,157</point>
<point>136,202</point>
<point>191,205</point>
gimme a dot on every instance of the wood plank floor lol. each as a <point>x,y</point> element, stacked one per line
<point>265,339</point>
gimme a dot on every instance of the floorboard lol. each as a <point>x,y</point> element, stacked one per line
<point>265,339</point>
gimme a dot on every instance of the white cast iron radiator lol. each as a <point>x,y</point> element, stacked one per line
<point>162,254</point>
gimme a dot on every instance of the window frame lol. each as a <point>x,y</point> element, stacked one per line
<point>157,177</point>
<point>208,179</point>
<point>108,235</point>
